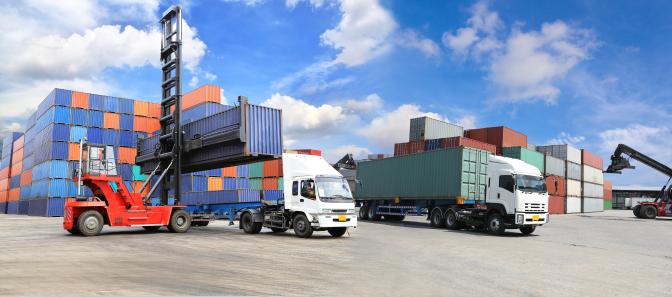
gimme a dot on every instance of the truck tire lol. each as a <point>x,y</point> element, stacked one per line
<point>151,228</point>
<point>364,213</point>
<point>436,218</point>
<point>648,212</point>
<point>90,223</point>
<point>527,230</point>
<point>248,224</point>
<point>451,221</point>
<point>371,213</point>
<point>302,226</point>
<point>636,211</point>
<point>495,224</point>
<point>279,230</point>
<point>180,221</point>
<point>337,232</point>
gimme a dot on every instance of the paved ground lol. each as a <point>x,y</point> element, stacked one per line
<point>602,254</point>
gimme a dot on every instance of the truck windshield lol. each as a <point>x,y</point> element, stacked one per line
<point>530,183</point>
<point>333,189</point>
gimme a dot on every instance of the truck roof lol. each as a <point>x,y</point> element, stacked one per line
<point>294,165</point>
<point>516,166</point>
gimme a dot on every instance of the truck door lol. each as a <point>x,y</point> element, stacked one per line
<point>504,192</point>
<point>304,195</point>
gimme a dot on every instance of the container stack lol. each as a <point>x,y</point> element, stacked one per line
<point>608,195</point>
<point>555,172</point>
<point>571,159</point>
<point>7,205</point>
<point>15,171</point>
<point>592,182</point>
<point>427,134</point>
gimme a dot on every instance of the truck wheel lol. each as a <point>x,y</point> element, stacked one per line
<point>279,230</point>
<point>364,213</point>
<point>302,226</point>
<point>637,211</point>
<point>371,213</point>
<point>648,212</point>
<point>151,228</point>
<point>527,230</point>
<point>451,221</point>
<point>249,226</point>
<point>180,221</point>
<point>496,224</point>
<point>436,218</point>
<point>337,232</point>
<point>90,223</point>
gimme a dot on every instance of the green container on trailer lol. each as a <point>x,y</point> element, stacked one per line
<point>256,169</point>
<point>255,184</point>
<point>526,155</point>
<point>607,204</point>
<point>453,173</point>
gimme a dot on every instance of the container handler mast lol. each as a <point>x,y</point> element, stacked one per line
<point>662,205</point>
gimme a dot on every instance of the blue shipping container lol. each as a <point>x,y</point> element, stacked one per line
<point>96,119</point>
<point>111,104</point>
<point>126,106</point>
<point>46,207</point>
<point>273,195</point>
<point>13,207</point>
<point>229,183</point>
<point>95,135</point>
<point>111,137</point>
<point>96,102</point>
<point>56,97</point>
<point>77,133</point>
<point>78,116</point>
<point>49,188</point>
<point>23,207</point>
<point>126,122</point>
<point>127,139</point>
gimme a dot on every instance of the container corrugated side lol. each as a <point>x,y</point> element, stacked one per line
<point>554,166</point>
<point>425,128</point>
<point>592,175</point>
<point>573,205</point>
<point>562,151</point>
<point>556,185</point>
<point>573,187</point>
<point>556,204</point>
<point>591,159</point>
<point>533,158</point>
<point>607,204</point>
<point>440,174</point>
<point>592,204</point>
<point>573,171</point>
<point>46,207</point>
<point>592,190</point>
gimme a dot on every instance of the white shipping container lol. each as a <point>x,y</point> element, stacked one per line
<point>592,190</point>
<point>573,188</point>
<point>592,175</point>
<point>554,166</point>
<point>562,151</point>
<point>573,171</point>
<point>573,205</point>
<point>424,128</point>
<point>592,204</point>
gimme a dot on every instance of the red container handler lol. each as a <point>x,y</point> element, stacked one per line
<point>591,159</point>
<point>556,185</point>
<point>556,204</point>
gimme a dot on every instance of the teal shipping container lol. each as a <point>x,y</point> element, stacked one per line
<point>528,156</point>
<point>453,173</point>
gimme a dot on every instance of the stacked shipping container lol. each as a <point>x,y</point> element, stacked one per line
<point>8,204</point>
<point>592,181</point>
<point>608,195</point>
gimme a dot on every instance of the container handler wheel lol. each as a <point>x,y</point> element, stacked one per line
<point>249,226</point>
<point>74,230</point>
<point>436,218</point>
<point>90,223</point>
<point>637,211</point>
<point>337,232</point>
<point>451,221</point>
<point>527,230</point>
<point>648,212</point>
<point>364,212</point>
<point>496,224</point>
<point>302,226</point>
<point>180,221</point>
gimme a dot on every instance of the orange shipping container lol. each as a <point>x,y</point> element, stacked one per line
<point>80,100</point>
<point>154,110</point>
<point>17,156</point>
<point>229,171</point>
<point>16,169</point>
<point>214,183</point>
<point>272,168</point>
<point>153,125</point>
<point>26,177</point>
<point>111,120</point>
<point>3,196</point>
<point>18,143</point>
<point>4,184</point>
<point>205,93</point>
<point>309,152</point>
<point>73,152</point>
<point>4,173</point>
<point>141,108</point>
<point>127,155</point>
<point>269,183</point>
<point>139,124</point>
<point>14,194</point>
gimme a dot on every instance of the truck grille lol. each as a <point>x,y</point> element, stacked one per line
<point>535,207</point>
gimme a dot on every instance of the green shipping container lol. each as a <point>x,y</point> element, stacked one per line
<point>255,183</point>
<point>256,169</point>
<point>137,175</point>
<point>531,157</point>
<point>281,183</point>
<point>607,204</point>
<point>440,174</point>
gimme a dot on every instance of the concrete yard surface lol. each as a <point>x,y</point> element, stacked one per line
<point>598,254</point>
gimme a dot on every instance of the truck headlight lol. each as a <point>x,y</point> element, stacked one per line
<point>520,218</point>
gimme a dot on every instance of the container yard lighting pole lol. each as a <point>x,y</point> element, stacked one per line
<point>170,139</point>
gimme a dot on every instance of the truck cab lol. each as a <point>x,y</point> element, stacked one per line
<point>517,191</point>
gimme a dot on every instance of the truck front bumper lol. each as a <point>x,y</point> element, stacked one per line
<point>524,219</point>
<point>321,221</point>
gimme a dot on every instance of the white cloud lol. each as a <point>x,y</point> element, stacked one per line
<point>393,127</point>
<point>647,139</point>
<point>371,103</point>
<point>209,76</point>
<point>412,39</point>
<point>362,33</point>
<point>567,138</point>
<point>467,122</point>
<point>479,36</point>
<point>335,154</point>
<point>461,41</point>
<point>193,82</point>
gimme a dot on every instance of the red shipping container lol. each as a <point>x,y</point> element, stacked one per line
<point>141,108</point>
<point>80,100</point>
<point>4,184</point>
<point>309,152</point>
<point>416,146</point>
<point>556,204</point>
<point>272,168</point>
<point>556,185</point>
<point>127,155</point>
<point>155,110</point>
<point>401,149</point>
<point>269,183</point>
<point>26,177</point>
<point>18,144</point>
<point>140,124</point>
<point>229,171</point>
<point>17,156</point>
<point>467,142</point>
<point>16,169</point>
<point>205,93</point>
<point>4,173</point>
<point>499,136</point>
<point>3,196</point>
<point>592,160</point>
<point>14,194</point>
<point>608,190</point>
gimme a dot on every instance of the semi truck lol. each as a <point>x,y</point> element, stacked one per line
<point>455,188</point>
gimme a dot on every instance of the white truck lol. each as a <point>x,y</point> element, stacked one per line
<point>316,198</point>
<point>514,194</point>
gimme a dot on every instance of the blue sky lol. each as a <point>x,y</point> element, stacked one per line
<point>349,74</point>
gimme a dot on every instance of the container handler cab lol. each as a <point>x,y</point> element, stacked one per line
<point>662,205</point>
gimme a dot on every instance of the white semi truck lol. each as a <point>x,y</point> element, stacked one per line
<point>316,198</point>
<point>509,194</point>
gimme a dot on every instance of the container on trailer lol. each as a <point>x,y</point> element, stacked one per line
<point>533,158</point>
<point>573,204</point>
<point>556,204</point>
<point>592,204</point>
<point>424,128</point>
<point>499,136</point>
<point>592,190</point>
<point>562,151</point>
<point>573,187</point>
<point>441,174</point>
<point>272,195</point>
<point>591,159</point>
<point>554,166</point>
<point>592,175</point>
<point>573,170</point>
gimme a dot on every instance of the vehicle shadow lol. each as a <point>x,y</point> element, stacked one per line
<point>426,225</point>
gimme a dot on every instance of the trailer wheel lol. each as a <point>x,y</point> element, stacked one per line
<point>637,211</point>
<point>249,226</point>
<point>279,230</point>
<point>496,224</point>
<point>527,230</point>
<point>364,212</point>
<point>151,228</point>
<point>302,226</point>
<point>648,212</point>
<point>371,213</point>
<point>451,221</point>
<point>90,223</point>
<point>436,218</point>
<point>337,232</point>
<point>180,221</point>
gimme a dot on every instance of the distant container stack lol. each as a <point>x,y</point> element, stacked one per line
<point>9,187</point>
<point>608,195</point>
<point>592,182</point>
